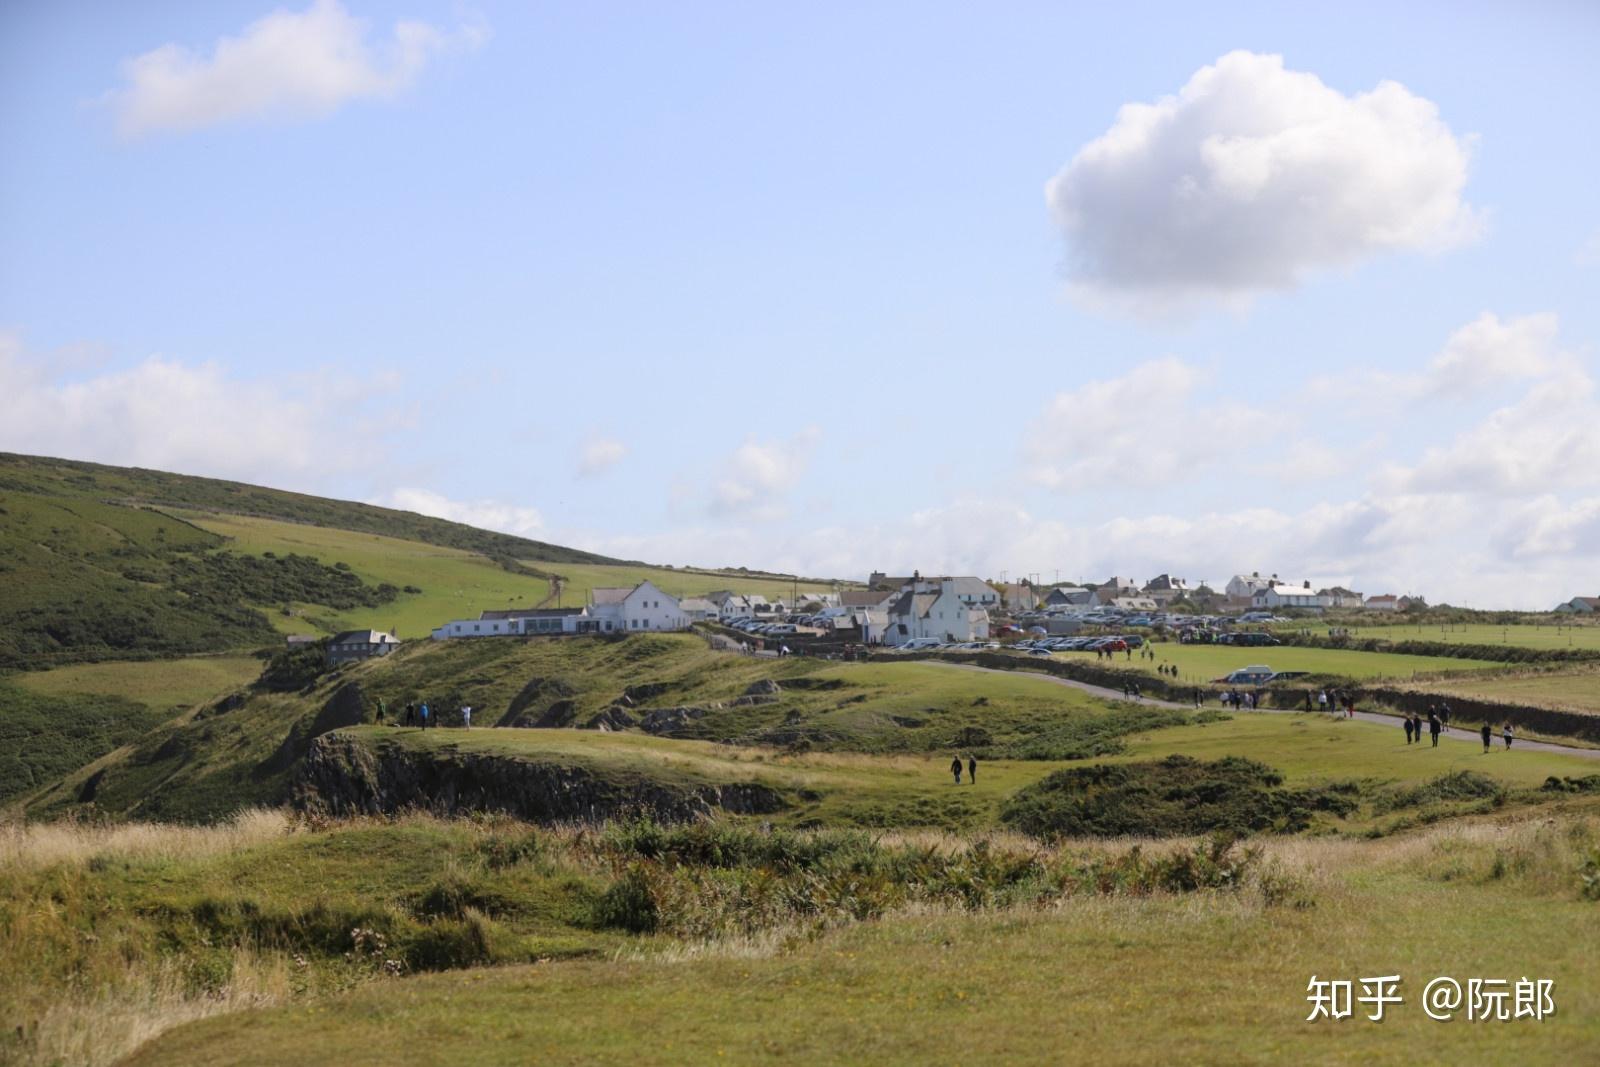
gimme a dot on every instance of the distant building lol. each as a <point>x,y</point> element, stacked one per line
<point>644,607</point>
<point>1340,597</point>
<point>698,608</point>
<point>1242,587</point>
<point>1067,596</point>
<point>935,609</point>
<point>360,644</point>
<point>1382,602</point>
<point>1164,589</point>
<point>1580,605</point>
<point>1288,596</point>
<point>1019,597</point>
<point>299,640</point>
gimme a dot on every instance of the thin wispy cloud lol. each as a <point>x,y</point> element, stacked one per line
<point>284,66</point>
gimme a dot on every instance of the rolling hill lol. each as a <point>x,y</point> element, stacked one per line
<point>104,563</point>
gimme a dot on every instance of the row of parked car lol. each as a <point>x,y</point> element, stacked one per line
<point>786,626</point>
<point>1047,646</point>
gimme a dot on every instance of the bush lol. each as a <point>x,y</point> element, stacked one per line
<point>1176,796</point>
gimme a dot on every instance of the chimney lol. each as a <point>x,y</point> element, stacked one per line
<point>1308,583</point>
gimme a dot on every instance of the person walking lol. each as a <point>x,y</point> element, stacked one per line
<point>1407,720</point>
<point>972,770</point>
<point>1444,714</point>
<point>422,714</point>
<point>1416,726</point>
<point>1322,700</point>
<point>955,769</point>
<point>1433,727</point>
<point>466,716</point>
<point>383,712</point>
<point>1488,735</point>
<point>1505,732</point>
<point>1197,696</point>
<point>1308,702</point>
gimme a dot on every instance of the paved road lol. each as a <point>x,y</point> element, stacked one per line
<point>1457,734</point>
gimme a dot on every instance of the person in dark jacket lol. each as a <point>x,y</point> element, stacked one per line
<point>1488,735</point>
<point>1505,732</point>
<point>955,769</point>
<point>1416,726</point>
<point>972,770</point>
<point>1407,720</point>
<point>1433,727</point>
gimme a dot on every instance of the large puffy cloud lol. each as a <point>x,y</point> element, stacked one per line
<point>285,65</point>
<point>1251,177</point>
<point>193,418</point>
<point>1099,433</point>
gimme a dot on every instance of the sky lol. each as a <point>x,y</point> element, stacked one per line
<point>1063,290</point>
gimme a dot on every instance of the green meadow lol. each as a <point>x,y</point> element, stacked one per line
<point>1205,663</point>
<point>1566,688</point>
<point>159,684</point>
<point>1555,634</point>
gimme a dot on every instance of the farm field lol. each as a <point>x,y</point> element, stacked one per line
<point>158,684</point>
<point>1551,636</point>
<point>947,985</point>
<point>1205,663</point>
<point>1567,689</point>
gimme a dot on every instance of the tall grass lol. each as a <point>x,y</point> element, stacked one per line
<point>32,846</point>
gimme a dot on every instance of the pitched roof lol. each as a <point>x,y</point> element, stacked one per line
<point>862,598</point>
<point>611,594</point>
<point>364,637</point>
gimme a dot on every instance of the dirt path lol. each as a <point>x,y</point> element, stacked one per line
<point>1391,721</point>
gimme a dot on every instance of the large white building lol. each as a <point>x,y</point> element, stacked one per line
<point>936,609</point>
<point>1288,596</point>
<point>644,607</point>
<point>613,610</point>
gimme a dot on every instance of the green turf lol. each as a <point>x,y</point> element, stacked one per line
<point>1557,633</point>
<point>1206,979</point>
<point>163,683</point>
<point>1205,663</point>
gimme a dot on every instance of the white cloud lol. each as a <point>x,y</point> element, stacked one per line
<point>1101,432</point>
<point>1250,178</point>
<point>484,514</point>
<point>599,455</point>
<point>193,418</point>
<point>1489,351</point>
<point>758,474</point>
<point>285,65</point>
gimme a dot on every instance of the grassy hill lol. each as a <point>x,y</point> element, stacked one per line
<point>104,562</point>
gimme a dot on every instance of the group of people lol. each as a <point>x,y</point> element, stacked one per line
<point>972,770</point>
<point>1334,701</point>
<point>1108,653</point>
<point>1131,690</point>
<point>1168,669</point>
<point>1439,721</point>
<point>424,715</point>
<point>1232,698</point>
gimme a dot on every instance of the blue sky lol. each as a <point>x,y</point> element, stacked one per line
<point>725,285</point>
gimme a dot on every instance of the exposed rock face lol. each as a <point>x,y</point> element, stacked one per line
<point>539,692</point>
<point>347,707</point>
<point>612,718</point>
<point>665,722</point>
<point>342,775</point>
<point>765,687</point>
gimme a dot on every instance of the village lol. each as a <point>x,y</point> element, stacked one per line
<point>907,612</point>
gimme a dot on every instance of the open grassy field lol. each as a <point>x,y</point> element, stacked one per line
<point>1547,636</point>
<point>1207,977</point>
<point>158,684</point>
<point>1205,663</point>
<point>1567,689</point>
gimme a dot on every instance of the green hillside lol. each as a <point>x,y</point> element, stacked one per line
<point>74,480</point>
<point>106,563</point>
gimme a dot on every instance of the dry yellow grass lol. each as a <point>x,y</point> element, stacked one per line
<point>30,846</point>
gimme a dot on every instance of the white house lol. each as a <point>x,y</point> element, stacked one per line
<point>974,592</point>
<point>644,607</point>
<point>730,605</point>
<point>938,612</point>
<point>1288,596</point>
<point>1340,597</point>
<point>521,622</point>
<point>1245,587</point>
<point>698,608</point>
<point>1382,602</point>
<point>1134,603</point>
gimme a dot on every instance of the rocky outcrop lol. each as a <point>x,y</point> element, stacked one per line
<point>765,687</point>
<point>613,718</point>
<point>665,722</point>
<point>342,775</point>
<point>547,693</point>
<point>347,707</point>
